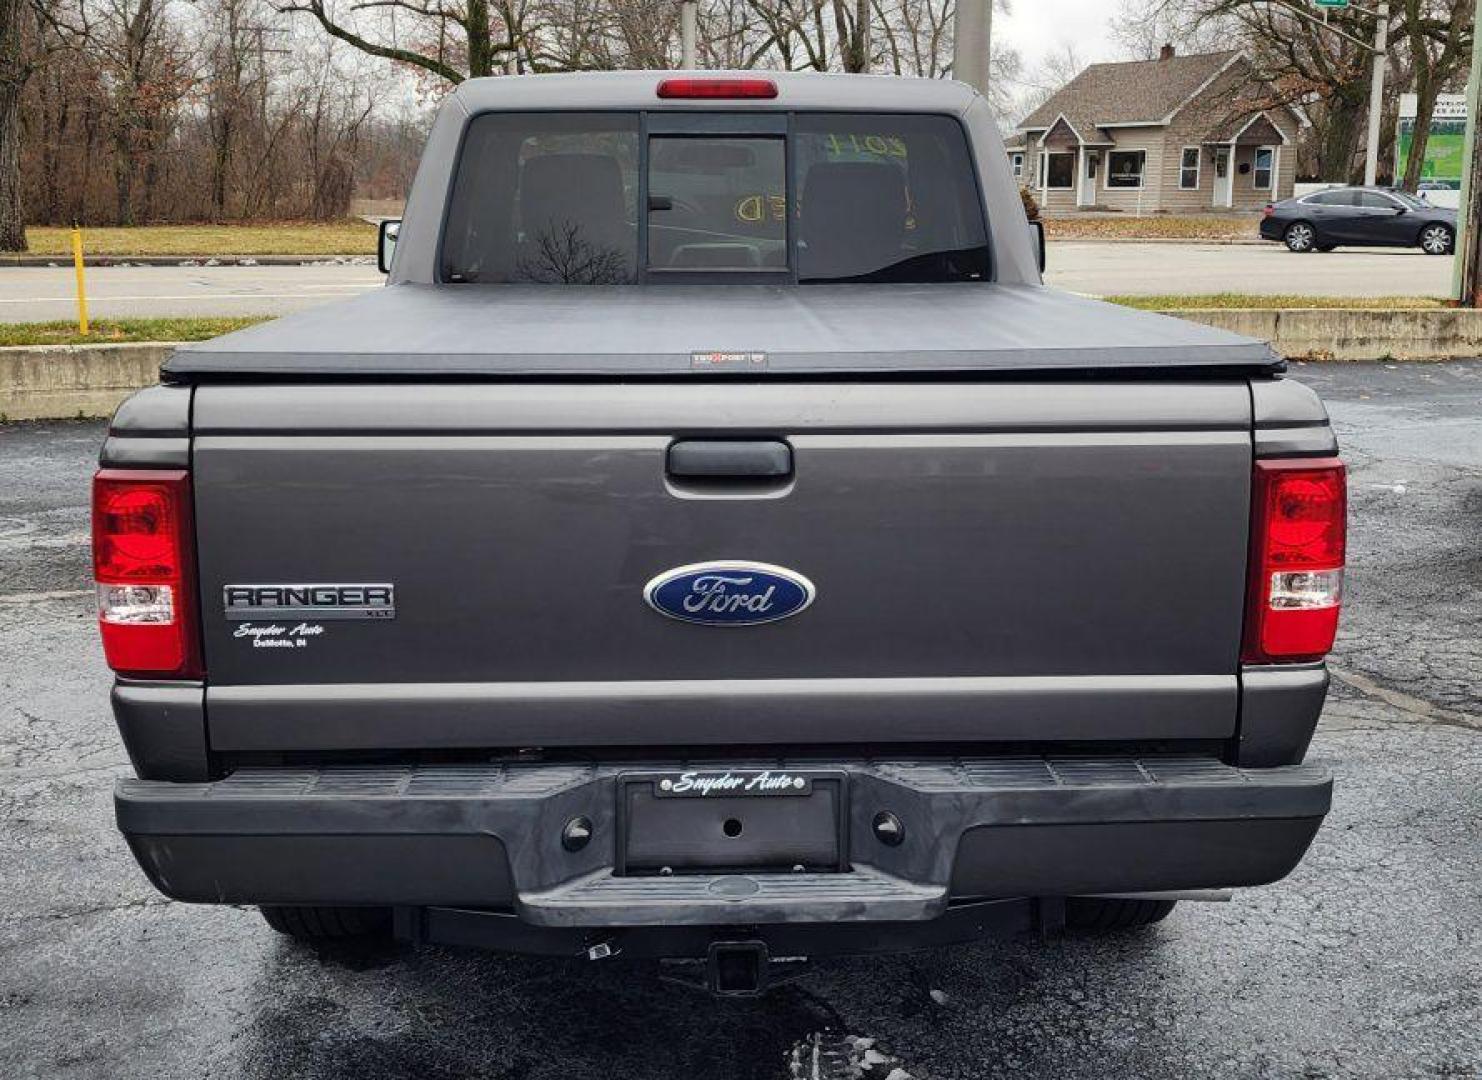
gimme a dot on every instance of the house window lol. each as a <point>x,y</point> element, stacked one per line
<point>1061,170</point>
<point>1262,171</point>
<point>1124,168</point>
<point>1016,162</point>
<point>1188,169</point>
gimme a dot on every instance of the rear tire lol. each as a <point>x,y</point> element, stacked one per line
<point>1437,240</point>
<point>328,923</point>
<point>1300,237</point>
<point>1106,915</point>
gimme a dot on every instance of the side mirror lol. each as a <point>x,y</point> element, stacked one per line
<point>386,243</point>
<point>1401,210</point>
<point>1037,238</point>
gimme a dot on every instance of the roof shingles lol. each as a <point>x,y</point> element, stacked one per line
<point>1140,91</point>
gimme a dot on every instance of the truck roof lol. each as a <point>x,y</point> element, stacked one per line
<point>678,330</point>
<point>639,90</point>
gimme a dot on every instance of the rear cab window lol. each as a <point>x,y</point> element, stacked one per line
<point>612,199</point>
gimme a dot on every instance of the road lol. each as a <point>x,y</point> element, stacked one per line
<point>1199,269</point>
<point>38,293</point>
<point>1367,962</point>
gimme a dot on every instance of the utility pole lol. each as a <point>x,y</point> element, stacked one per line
<point>1376,94</point>
<point>689,24</point>
<point>972,41</point>
<point>1466,283</point>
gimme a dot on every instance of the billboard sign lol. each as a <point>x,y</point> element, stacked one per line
<point>1443,149</point>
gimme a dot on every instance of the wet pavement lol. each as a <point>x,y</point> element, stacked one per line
<point>1366,962</point>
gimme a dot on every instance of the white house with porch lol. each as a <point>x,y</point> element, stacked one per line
<point>1180,134</point>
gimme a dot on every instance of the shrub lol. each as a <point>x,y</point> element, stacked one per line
<point>1031,206</point>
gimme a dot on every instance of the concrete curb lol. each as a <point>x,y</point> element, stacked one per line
<point>55,382</point>
<point>65,261</point>
<point>1353,333</point>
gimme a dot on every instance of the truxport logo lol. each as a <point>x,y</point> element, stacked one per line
<point>321,601</point>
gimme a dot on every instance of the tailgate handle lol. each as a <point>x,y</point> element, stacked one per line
<point>718,459</point>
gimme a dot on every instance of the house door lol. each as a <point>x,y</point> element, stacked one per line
<point>1086,196</point>
<point>1224,182</point>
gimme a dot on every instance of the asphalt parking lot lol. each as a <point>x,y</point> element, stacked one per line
<point>1366,962</point>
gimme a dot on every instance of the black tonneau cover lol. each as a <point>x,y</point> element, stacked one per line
<point>504,330</point>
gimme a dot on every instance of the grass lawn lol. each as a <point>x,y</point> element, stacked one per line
<point>351,237</point>
<point>105,331</point>
<point>1248,300</point>
<point>1154,227</point>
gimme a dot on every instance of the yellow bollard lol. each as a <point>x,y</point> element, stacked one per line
<point>82,327</point>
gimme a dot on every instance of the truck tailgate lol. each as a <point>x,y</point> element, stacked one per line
<point>993,561</point>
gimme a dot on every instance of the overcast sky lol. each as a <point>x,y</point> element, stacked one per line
<point>1037,27</point>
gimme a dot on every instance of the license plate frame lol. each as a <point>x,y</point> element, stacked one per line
<point>782,825</point>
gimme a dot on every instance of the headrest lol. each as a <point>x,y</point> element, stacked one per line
<point>853,218</point>
<point>564,190</point>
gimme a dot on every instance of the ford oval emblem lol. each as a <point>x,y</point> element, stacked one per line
<point>729,593</point>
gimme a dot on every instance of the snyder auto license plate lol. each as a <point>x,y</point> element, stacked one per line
<point>708,783</point>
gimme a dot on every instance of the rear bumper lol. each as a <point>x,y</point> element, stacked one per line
<point>489,837</point>
<point>1271,228</point>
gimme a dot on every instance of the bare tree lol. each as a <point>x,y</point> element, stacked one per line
<point>15,68</point>
<point>233,82</point>
<point>1142,27</point>
<point>332,124</point>
<point>917,35</point>
<point>1323,67</point>
<point>1054,70</point>
<point>451,39</point>
<point>216,110</point>
<point>146,71</point>
<point>1439,51</point>
<point>25,39</point>
<point>915,38</point>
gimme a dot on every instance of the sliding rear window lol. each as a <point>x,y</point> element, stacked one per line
<point>554,198</point>
<point>886,198</point>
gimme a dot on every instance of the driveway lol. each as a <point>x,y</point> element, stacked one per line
<point>29,294</point>
<point>1366,962</point>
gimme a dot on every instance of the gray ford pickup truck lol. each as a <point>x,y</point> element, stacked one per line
<point>716,543</point>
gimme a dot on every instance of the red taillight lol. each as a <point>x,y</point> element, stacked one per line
<point>1298,527</point>
<point>1268,210</point>
<point>717,88</point>
<point>142,565</point>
